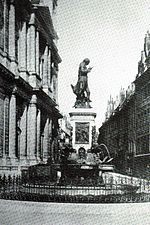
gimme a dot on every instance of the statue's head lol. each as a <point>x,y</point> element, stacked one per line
<point>87,61</point>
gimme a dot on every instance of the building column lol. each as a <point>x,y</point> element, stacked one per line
<point>49,68</point>
<point>55,88</point>
<point>32,130</point>
<point>28,49</point>
<point>54,148</point>
<point>12,45</point>
<point>2,26</point>
<point>46,143</point>
<point>32,51</point>
<point>6,14</point>
<point>23,135</point>
<point>32,68</point>
<point>6,127</point>
<point>45,69</point>
<point>12,126</point>
<point>41,147</point>
<point>38,135</point>
<point>22,52</point>
<point>54,82</point>
<point>41,69</point>
<point>50,138</point>
<point>37,53</point>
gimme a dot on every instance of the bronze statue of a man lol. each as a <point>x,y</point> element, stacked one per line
<point>82,84</point>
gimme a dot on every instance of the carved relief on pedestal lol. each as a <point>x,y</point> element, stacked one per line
<point>81,133</point>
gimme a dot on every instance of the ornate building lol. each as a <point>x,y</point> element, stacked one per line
<point>142,156</point>
<point>28,83</point>
<point>141,162</point>
<point>118,129</point>
<point>126,130</point>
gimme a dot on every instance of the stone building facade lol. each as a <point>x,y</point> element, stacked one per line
<point>142,156</point>
<point>118,130</point>
<point>65,130</point>
<point>28,83</point>
<point>126,130</point>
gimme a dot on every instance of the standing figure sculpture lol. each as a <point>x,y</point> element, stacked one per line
<point>81,89</point>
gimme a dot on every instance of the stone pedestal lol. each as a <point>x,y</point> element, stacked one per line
<point>82,121</point>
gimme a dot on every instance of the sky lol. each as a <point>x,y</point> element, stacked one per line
<point>108,32</point>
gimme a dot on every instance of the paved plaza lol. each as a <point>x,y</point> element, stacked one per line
<point>34,213</point>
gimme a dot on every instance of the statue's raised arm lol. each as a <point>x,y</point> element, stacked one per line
<point>81,89</point>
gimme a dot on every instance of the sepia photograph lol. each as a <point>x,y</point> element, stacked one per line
<point>74,112</point>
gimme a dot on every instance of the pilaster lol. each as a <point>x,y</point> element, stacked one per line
<point>38,135</point>
<point>28,49</point>
<point>47,71</point>
<point>5,28</point>
<point>12,46</point>
<point>2,25</point>
<point>22,52</point>
<point>32,130</point>
<point>32,48</point>
<point>54,84</point>
<point>32,69</point>
<point>45,68</point>
<point>6,128</point>
<point>23,135</point>
<point>46,140</point>
<point>55,88</point>
<point>37,52</point>
<point>49,68</point>
<point>12,126</point>
<point>41,69</point>
<point>50,137</point>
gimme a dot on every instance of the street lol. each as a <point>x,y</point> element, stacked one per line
<point>34,213</point>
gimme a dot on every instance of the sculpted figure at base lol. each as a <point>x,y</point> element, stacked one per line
<point>81,89</point>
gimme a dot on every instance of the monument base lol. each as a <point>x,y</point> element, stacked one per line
<point>82,121</point>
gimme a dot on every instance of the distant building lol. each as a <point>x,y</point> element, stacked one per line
<point>142,156</point>
<point>65,130</point>
<point>117,130</point>
<point>28,83</point>
<point>126,130</point>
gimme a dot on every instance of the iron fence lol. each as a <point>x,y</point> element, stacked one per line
<point>113,190</point>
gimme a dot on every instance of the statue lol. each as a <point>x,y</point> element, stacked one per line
<point>81,89</point>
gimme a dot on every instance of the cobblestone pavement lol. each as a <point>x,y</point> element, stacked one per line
<point>34,213</point>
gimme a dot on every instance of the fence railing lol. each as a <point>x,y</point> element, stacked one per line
<point>118,189</point>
